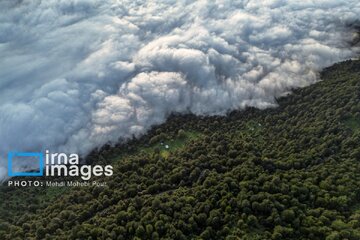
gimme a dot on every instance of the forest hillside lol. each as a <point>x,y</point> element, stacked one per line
<point>291,172</point>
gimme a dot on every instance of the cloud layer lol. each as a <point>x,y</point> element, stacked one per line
<point>76,74</point>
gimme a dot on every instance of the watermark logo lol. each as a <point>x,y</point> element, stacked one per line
<point>56,165</point>
<point>38,156</point>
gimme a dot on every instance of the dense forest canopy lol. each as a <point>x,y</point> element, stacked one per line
<point>291,172</point>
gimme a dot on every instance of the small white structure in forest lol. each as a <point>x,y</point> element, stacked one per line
<point>167,146</point>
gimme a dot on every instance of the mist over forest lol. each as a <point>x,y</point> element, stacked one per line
<point>78,74</point>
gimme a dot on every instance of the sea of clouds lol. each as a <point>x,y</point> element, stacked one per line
<point>76,74</point>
